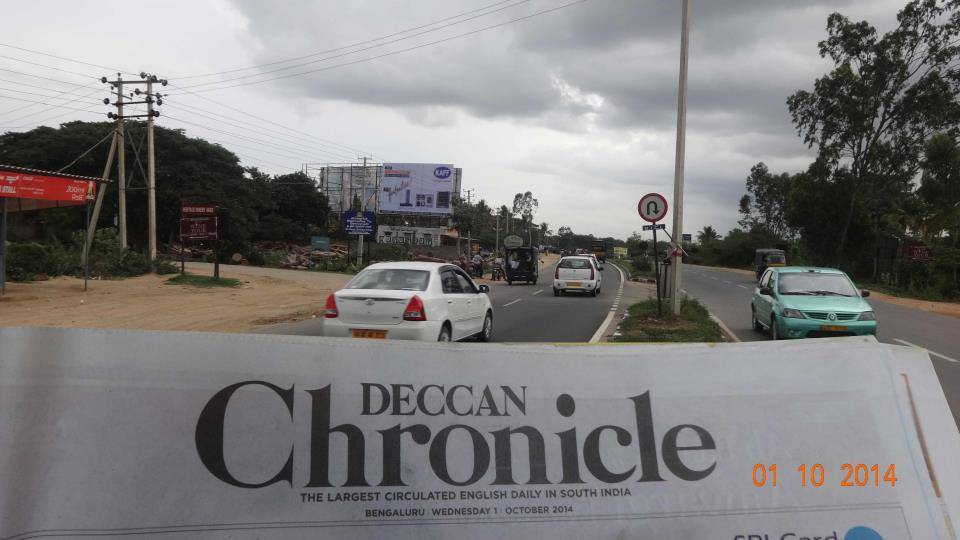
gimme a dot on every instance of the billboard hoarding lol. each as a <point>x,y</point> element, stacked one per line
<point>417,188</point>
<point>359,223</point>
<point>198,228</point>
<point>413,236</point>
<point>48,188</point>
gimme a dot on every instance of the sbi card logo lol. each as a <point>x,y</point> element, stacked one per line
<point>442,172</point>
<point>857,533</point>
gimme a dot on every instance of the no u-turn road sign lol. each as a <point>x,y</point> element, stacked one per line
<point>652,207</point>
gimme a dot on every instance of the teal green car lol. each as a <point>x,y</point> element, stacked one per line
<point>801,302</point>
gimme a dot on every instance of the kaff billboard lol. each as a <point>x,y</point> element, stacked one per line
<point>417,188</point>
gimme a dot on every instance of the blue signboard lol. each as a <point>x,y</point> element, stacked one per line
<point>687,237</point>
<point>361,223</point>
<point>320,243</point>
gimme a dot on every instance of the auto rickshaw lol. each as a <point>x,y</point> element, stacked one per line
<point>765,258</point>
<point>523,265</point>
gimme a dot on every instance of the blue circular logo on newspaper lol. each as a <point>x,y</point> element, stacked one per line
<point>442,172</point>
<point>862,533</point>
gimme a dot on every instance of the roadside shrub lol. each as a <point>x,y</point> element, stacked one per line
<point>25,260</point>
<point>273,259</point>
<point>165,267</point>
<point>388,252</point>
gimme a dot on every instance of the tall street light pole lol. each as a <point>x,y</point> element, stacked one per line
<point>678,166</point>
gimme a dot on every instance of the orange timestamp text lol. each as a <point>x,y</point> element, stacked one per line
<point>815,475</point>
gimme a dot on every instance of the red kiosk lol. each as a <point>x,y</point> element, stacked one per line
<point>23,189</point>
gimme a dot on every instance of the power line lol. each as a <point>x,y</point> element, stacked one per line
<point>42,103</point>
<point>85,75</point>
<point>336,155</point>
<point>271,122</point>
<point>42,77</point>
<point>50,106</point>
<point>242,137</point>
<point>63,58</point>
<point>392,53</point>
<point>344,46</point>
<point>397,40</point>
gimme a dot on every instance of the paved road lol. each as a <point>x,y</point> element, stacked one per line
<point>527,313</point>
<point>727,293</point>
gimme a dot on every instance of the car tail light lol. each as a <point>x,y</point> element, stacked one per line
<point>591,272</point>
<point>330,311</point>
<point>414,311</point>
<point>556,275</point>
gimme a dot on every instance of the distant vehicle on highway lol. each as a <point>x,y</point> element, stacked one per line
<point>578,273</point>
<point>800,302</point>
<point>596,262</point>
<point>523,265</point>
<point>767,258</point>
<point>599,249</point>
<point>410,300</point>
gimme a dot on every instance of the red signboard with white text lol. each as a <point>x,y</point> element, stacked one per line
<point>20,185</point>
<point>198,209</point>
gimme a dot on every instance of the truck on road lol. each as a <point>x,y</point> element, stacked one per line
<point>599,249</point>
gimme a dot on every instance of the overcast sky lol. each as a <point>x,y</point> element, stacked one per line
<point>577,105</point>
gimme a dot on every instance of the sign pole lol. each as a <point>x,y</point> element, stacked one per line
<point>656,270</point>
<point>3,248</point>
<point>359,250</point>
<point>677,255</point>
<point>86,260</point>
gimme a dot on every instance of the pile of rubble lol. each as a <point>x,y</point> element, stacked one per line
<point>190,253</point>
<point>300,257</point>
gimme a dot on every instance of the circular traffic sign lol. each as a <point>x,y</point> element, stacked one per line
<point>512,242</point>
<point>652,207</point>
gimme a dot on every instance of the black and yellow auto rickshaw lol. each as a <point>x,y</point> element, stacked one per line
<point>765,258</point>
<point>522,265</point>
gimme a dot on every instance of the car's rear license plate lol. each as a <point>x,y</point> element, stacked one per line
<point>573,285</point>
<point>369,334</point>
<point>833,328</point>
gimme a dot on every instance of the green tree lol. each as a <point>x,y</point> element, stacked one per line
<point>526,206</point>
<point>870,116</point>
<point>766,199</point>
<point>707,235</point>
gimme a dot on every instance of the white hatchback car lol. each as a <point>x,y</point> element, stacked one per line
<point>410,300</point>
<point>577,274</point>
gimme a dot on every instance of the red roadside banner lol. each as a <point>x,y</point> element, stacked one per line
<point>20,185</point>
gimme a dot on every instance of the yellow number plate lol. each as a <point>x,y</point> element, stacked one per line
<point>572,285</point>
<point>369,334</point>
<point>833,328</point>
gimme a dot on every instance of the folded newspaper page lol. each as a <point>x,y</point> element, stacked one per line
<point>190,435</point>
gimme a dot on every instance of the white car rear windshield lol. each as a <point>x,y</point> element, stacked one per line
<point>391,279</point>
<point>577,264</point>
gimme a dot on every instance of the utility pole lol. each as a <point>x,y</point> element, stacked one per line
<point>151,177</point>
<point>497,248</point>
<point>121,167</point>
<point>150,98</point>
<point>677,254</point>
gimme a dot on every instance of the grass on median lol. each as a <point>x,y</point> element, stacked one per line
<point>202,281</point>
<point>693,325</point>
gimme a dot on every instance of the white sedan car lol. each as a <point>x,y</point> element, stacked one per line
<point>410,300</point>
<point>577,274</point>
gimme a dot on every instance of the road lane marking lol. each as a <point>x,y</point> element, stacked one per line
<point>512,303</point>
<point>714,277</point>
<point>537,292</point>
<point>907,343</point>
<point>727,282</point>
<point>598,335</point>
<point>741,286</point>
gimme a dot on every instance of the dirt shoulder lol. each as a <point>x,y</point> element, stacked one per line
<point>951,309</point>
<point>264,296</point>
